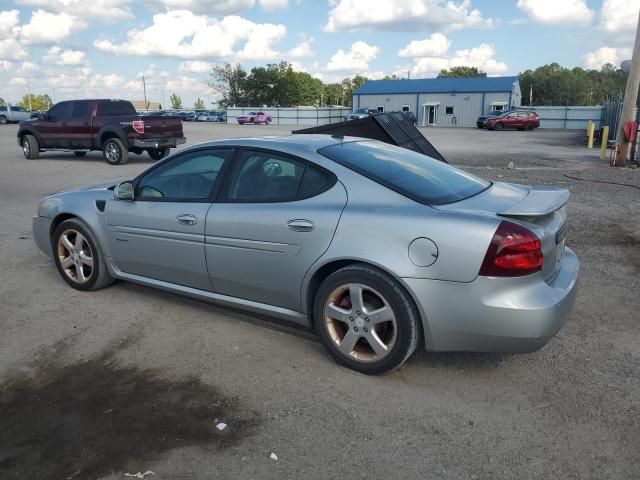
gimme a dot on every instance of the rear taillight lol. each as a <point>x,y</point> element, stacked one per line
<point>514,251</point>
<point>138,126</point>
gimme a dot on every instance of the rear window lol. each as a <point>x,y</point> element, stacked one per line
<point>416,176</point>
<point>115,108</point>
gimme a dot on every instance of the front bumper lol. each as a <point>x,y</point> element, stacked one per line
<point>41,227</point>
<point>511,315</point>
<point>158,142</point>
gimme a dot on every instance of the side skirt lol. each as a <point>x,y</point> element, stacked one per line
<point>225,300</point>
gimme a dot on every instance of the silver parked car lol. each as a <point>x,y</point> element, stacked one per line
<point>376,247</point>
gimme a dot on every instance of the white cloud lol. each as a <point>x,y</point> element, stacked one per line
<point>596,59</point>
<point>182,34</point>
<point>207,7</point>
<point>47,28</point>
<point>437,45</point>
<point>557,11</point>
<point>58,56</point>
<point>6,66</point>
<point>195,66</point>
<point>619,15</point>
<point>10,49</point>
<point>27,68</point>
<point>108,10</point>
<point>481,57</point>
<point>274,4</point>
<point>303,49</point>
<point>8,22</point>
<point>403,15</point>
<point>356,59</point>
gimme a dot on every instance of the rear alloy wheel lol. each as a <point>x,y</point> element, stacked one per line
<point>30,147</point>
<point>499,126</point>
<point>158,153</point>
<point>114,152</point>
<point>366,320</point>
<point>79,153</point>
<point>78,257</point>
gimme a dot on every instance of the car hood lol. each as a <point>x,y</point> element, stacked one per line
<point>102,185</point>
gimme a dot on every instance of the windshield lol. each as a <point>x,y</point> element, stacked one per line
<point>252,113</point>
<point>416,176</point>
<point>362,110</point>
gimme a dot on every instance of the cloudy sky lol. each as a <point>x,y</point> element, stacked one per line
<point>87,48</point>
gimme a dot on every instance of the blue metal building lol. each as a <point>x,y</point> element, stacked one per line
<point>441,101</point>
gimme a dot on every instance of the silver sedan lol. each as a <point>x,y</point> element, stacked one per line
<point>377,248</point>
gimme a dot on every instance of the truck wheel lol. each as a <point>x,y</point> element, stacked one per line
<point>30,147</point>
<point>114,152</point>
<point>158,153</point>
<point>79,153</point>
<point>3,120</point>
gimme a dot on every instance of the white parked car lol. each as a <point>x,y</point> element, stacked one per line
<point>11,113</point>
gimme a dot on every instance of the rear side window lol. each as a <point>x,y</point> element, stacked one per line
<point>3,108</point>
<point>60,111</point>
<point>115,108</point>
<point>269,177</point>
<point>80,110</point>
<point>416,176</point>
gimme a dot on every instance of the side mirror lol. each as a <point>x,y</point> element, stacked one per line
<point>123,191</point>
<point>42,116</point>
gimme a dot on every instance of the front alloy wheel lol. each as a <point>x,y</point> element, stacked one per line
<point>75,256</point>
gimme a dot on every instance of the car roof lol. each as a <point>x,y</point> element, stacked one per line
<point>288,143</point>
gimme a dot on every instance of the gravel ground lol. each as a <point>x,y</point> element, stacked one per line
<point>128,379</point>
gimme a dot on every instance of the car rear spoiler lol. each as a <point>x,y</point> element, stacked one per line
<point>539,202</point>
<point>395,128</point>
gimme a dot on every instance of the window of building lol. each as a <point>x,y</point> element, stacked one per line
<point>380,108</point>
<point>448,110</point>
<point>498,108</point>
<point>406,108</point>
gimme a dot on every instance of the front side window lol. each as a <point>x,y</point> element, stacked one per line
<point>190,177</point>
<point>416,176</point>
<point>18,109</point>
<point>80,110</point>
<point>60,111</point>
<point>3,108</point>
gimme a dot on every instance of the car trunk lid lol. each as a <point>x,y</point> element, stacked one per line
<point>541,209</point>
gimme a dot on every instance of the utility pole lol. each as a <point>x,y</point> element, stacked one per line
<point>630,99</point>
<point>29,93</point>
<point>144,89</point>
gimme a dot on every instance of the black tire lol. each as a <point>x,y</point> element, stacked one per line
<point>499,126</point>
<point>530,127</point>
<point>521,129</point>
<point>115,152</point>
<point>99,276</point>
<point>479,126</point>
<point>158,153</point>
<point>407,329</point>
<point>79,153</point>
<point>30,147</point>
<point>3,120</point>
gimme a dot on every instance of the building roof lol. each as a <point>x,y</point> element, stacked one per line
<point>437,85</point>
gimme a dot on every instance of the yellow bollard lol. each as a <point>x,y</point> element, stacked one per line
<point>590,130</point>
<point>605,141</point>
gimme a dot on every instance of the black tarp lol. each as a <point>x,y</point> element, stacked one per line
<point>395,128</point>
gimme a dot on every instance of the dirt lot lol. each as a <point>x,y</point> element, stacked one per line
<point>128,379</point>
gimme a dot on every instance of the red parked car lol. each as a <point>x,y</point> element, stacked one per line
<point>517,120</point>
<point>255,117</point>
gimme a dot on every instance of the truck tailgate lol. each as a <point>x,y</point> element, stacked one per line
<point>162,127</point>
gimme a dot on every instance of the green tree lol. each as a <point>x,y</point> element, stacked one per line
<point>230,82</point>
<point>2,102</point>
<point>461,71</point>
<point>38,102</point>
<point>199,105</point>
<point>333,94</point>
<point>176,101</point>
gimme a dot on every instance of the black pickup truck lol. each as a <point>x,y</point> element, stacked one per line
<point>112,126</point>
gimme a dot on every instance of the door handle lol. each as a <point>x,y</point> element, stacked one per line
<point>187,219</point>
<point>300,225</point>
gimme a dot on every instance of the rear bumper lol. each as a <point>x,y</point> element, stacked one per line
<point>158,142</point>
<point>41,227</point>
<point>511,315</point>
